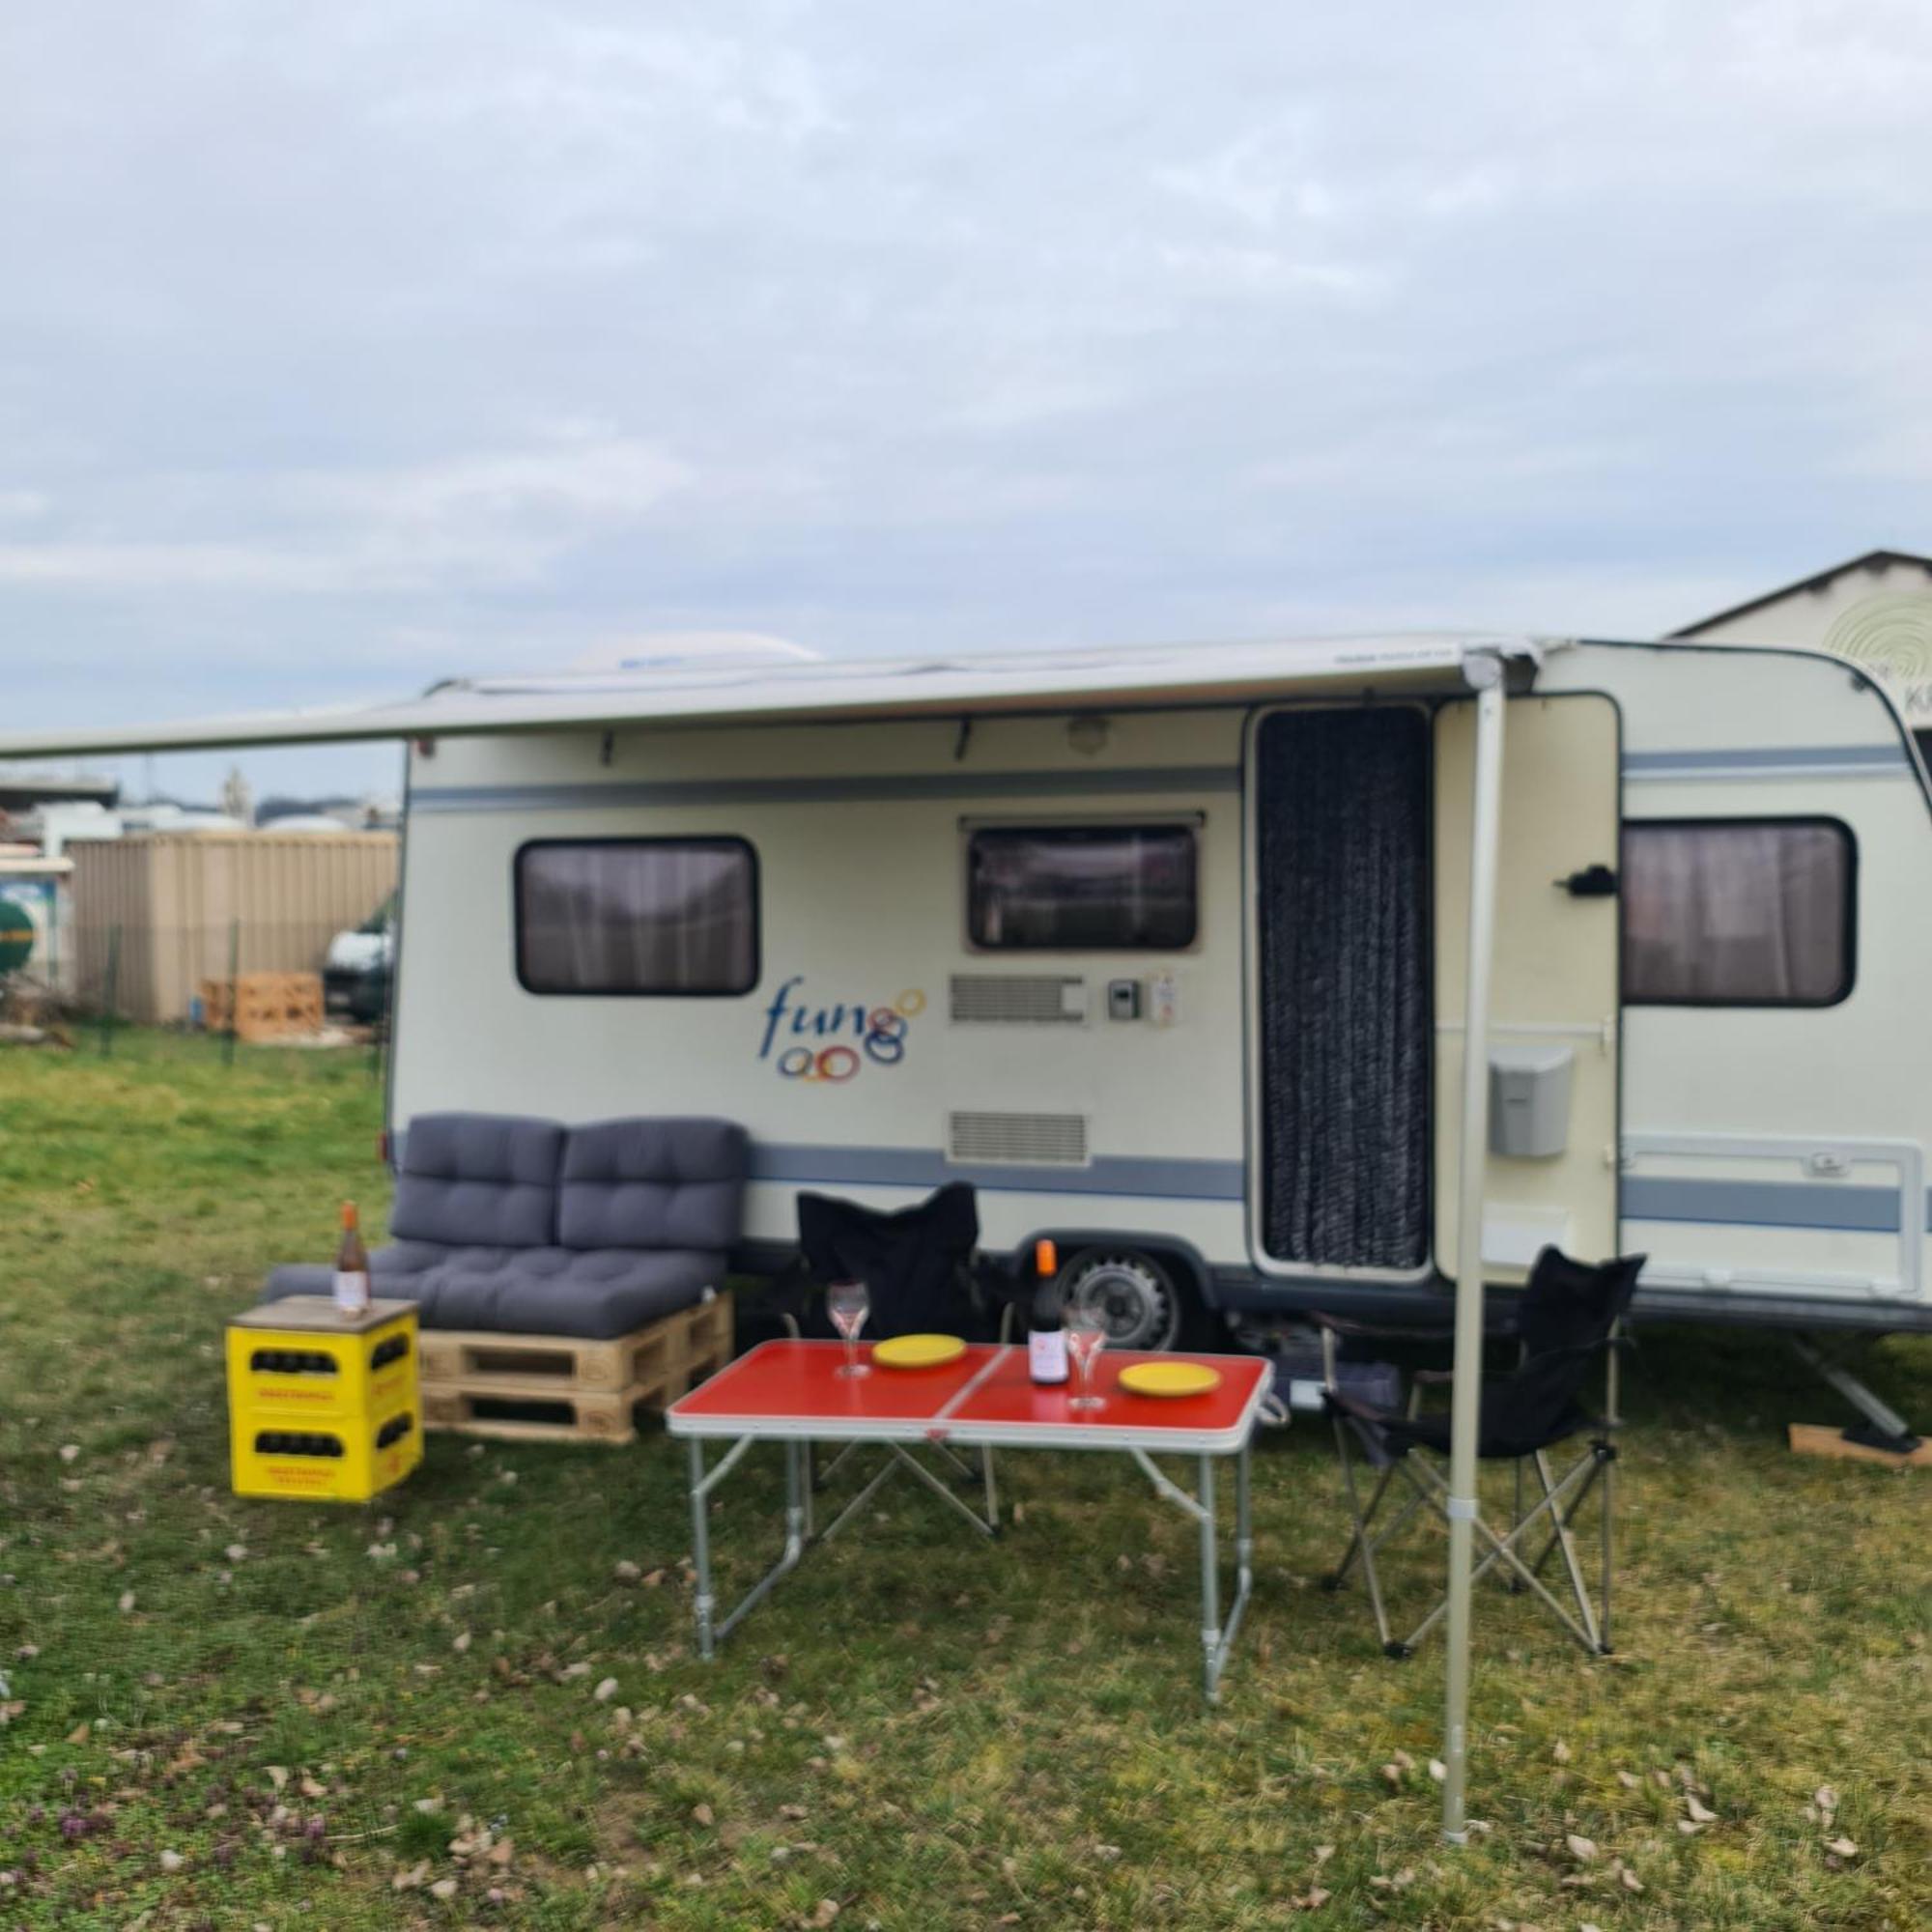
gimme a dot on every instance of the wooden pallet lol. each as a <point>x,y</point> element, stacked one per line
<point>559,1388</point>
<point>1811,1438</point>
<point>538,1412</point>
<point>264,1005</point>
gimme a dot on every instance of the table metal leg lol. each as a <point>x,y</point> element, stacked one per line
<point>899,1456</point>
<point>798,1500</point>
<point>938,1487</point>
<point>1244,1557</point>
<point>712,1630</point>
<point>857,1502</point>
<point>1218,1638</point>
<point>820,1477</point>
<point>1211,1582</point>
<point>700,1547</point>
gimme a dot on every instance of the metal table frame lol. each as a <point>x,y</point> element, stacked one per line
<point>942,1432</point>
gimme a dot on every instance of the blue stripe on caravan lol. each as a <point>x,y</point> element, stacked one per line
<point>1746,1204</point>
<point>1175,1179</point>
<point>841,790</point>
<point>1765,760</point>
<point>1767,1204</point>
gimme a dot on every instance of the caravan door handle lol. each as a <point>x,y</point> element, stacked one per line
<point>1593,882</point>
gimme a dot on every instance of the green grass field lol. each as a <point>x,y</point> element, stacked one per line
<point>229,1713</point>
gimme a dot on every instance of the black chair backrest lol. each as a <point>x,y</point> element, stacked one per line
<point>1572,1304</point>
<point>1567,1313</point>
<point>916,1263</point>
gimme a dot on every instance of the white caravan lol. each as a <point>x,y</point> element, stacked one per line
<point>1164,951</point>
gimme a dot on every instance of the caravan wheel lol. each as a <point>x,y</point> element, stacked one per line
<point>1132,1294</point>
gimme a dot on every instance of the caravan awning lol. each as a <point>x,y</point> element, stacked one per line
<point>714,692</point>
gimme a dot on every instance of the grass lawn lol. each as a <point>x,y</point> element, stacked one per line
<point>230,1714</point>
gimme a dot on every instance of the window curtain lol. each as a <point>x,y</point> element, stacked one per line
<point>1744,914</point>
<point>660,917</point>
<point>1342,812</point>
<point>1094,889</point>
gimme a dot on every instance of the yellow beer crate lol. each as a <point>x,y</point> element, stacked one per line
<point>303,1357</point>
<point>317,1388</point>
<point>345,1461</point>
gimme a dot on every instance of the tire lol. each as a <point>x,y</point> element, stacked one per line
<point>1140,1301</point>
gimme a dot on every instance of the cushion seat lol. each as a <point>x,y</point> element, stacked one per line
<point>396,1272</point>
<point>523,1227</point>
<point>596,1296</point>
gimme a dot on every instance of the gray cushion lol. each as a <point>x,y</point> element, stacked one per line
<point>592,1295</point>
<point>646,1211</point>
<point>299,1278</point>
<point>487,1179</point>
<point>395,1272</point>
<point>653,1184</point>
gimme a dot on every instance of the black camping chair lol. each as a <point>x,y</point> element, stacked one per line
<point>922,1274</point>
<point>920,1265</point>
<point>1566,1321</point>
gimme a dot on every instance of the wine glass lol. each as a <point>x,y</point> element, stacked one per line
<point>848,1304</point>
<point>1085,1339</point>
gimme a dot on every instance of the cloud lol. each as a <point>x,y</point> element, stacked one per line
<point>354,345</point>
<point>480,521</point>
<point>158,566</point>
<point>1258,178</point>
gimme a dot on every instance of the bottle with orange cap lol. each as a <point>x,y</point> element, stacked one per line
<point>1046,1334</point>
<point>352,1265</point>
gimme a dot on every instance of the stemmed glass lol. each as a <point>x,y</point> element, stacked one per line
<point>848,1304</point>
<point>1085,1339</point>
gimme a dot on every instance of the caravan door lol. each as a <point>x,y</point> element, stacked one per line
<point>1552,1169</point>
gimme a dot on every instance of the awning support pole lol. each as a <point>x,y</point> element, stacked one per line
<point>1485,674</point>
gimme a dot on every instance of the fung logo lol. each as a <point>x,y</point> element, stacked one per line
<point>832,1042</point>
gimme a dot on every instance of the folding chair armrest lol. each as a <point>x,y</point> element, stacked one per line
<point>1338,1328</point>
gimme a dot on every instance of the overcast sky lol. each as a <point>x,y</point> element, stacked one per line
<point>347,346</point>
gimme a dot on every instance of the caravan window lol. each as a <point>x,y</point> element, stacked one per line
<point>668,916</point>
<point>1082,888</point>
<point>1738,912</point>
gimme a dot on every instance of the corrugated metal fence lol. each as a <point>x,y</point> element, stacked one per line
<point>179,899</point>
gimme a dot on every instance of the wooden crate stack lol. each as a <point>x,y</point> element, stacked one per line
<point>264,1005</point>
<point>558,1388</point>
<point>322,1406</point>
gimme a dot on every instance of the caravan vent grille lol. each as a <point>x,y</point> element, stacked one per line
<point>1028,1140</point>
<point>1029,999</point>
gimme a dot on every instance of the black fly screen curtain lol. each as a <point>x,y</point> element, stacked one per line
<point>1342,813</point>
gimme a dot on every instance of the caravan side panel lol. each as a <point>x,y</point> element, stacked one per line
<point>1776,1155</point>
<point>1088,1121</point>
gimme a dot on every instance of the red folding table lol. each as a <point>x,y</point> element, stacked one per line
<point>790,1392</point>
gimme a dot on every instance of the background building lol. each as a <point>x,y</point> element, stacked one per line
<point>1875,610</point>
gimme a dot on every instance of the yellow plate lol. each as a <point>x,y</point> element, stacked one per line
<point>919,1352</point>
<point>1170,1379</point>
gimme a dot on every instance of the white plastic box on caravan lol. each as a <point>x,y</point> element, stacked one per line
<point>1164,952</point>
